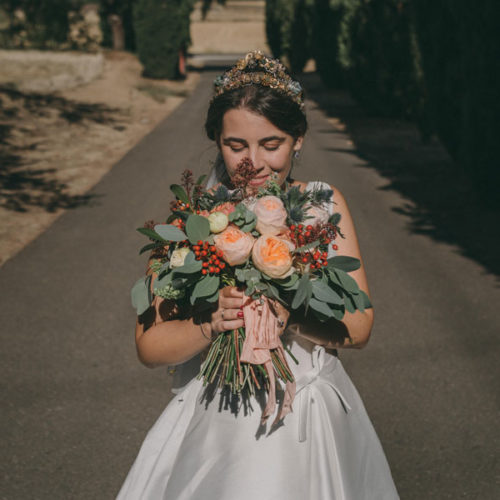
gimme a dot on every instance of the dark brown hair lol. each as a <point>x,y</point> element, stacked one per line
<point>279,109</point>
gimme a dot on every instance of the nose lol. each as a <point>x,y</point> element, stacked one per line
<point>256,158</point>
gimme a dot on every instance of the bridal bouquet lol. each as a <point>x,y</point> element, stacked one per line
<point>275,245</point>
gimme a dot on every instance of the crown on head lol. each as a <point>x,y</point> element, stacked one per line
<point>256,68</point>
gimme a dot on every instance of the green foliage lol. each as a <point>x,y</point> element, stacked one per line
<point>289,30</point>
<point>45,24</point>
<point>162,32</point>
<point>197,228</point>
<point>245,219</point>
<point>460,58</point>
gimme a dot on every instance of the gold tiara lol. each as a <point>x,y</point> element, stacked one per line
<point>256,68</point>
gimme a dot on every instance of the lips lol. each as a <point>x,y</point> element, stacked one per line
<point>258,181</point>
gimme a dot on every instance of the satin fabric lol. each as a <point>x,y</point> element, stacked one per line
<point>326,448</point>
<point>206,447</point>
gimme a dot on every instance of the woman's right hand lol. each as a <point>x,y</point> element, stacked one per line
<point>229,312</point>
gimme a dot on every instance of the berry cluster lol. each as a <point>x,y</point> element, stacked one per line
<point>302,235</point>
<point>325,234</point>
<point>179,205</point>
<point>211,257</point>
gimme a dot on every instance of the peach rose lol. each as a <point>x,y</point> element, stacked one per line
<point>272,256</point>
<point>316,215</point>
<point>234,244</point>
<point>271,215</point>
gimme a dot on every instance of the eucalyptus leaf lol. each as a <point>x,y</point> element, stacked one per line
<point>150,233</point>
<point>201,179</point>
<point>349,304</point>
<point>197,228</point>
<point>140,295</point>
<point>346,281</point>
<point>163,281</point>
<point>359,301</point>
<point>303,289</point>
<point>179,192</point>
<point>344,263</point>
<point>205,287</point>
<point>323,292</point>
<point>338,313</point>
<point>170,232</point>
<point>321,307</point>
<point>191,268</point>
<point>147,247</point>
<point>366,300</point>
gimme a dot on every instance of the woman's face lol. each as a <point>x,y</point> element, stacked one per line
<point>246,134</point>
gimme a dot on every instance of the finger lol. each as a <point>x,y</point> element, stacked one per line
<point>232,303</point>
<point>230,314</point>
<point>232,291</point>
<point>232,324</point>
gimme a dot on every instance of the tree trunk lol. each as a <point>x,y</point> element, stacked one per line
<point>118,33</point>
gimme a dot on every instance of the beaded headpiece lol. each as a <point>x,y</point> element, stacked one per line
<point>256,68</point>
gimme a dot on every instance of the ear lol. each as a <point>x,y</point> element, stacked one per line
<point>298,144</point>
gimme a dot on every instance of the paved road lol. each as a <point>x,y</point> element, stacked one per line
<point>77,404</point>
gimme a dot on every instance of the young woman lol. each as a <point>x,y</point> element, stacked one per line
<point>206,447</point>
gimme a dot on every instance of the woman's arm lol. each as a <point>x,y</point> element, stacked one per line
<point>354,329</point>
<point>162,339</point>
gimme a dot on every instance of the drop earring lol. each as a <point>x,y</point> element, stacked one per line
<point>296,154</point>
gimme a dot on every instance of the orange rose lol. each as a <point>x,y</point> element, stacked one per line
<point>234,244</point>
<point>271,215</point>
<point>272,256</point>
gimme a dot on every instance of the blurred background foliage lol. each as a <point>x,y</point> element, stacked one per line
<point>435,62</point>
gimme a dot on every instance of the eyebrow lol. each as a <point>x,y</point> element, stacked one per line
<point>265,139</point>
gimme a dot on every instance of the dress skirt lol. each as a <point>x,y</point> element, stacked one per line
<point>207,447</point>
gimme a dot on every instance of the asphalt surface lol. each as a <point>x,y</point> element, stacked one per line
<point>76,403</point>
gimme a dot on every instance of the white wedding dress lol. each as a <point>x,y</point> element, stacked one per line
<point>206,448</point>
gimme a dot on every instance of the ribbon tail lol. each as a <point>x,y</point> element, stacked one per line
<point>271,398</point>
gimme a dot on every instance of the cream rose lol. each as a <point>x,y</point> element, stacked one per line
<point>178,257</point>
<point>316,215</point>
<point>234,244</point>
<point>272,255</point>
<point>218,222</point>
<point>271,215</point>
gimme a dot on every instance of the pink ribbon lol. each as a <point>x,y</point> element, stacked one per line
<point>262,335</point>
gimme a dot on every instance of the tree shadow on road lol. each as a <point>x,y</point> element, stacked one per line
<point>22,184</point>
<point>441,202</point>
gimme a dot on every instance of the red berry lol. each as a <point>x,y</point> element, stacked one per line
<point>316,255</point>
<point>308,233</point>
<point>187,205</point>
<point>304,259</point>
<point>203,271</point>
<point>200,243</point>
<point>309,227</point>
<point>222,265</point>
<point>203,253</point>
<point>324,255</point>
<point>216,262</point>
<point>205,264</point>
<point>335,247</point>
<point>301,227</point>
<point>196,248</point>
<point>219,254</point>
<point>292,227</point>
<point>211,269</point>
<point>324,263</point>
<point>217,270</point>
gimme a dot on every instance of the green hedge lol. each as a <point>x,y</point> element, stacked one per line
<point>161,32</point>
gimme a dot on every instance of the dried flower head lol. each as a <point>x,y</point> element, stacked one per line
<point>245,172</point>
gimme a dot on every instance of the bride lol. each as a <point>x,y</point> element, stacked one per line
<point>203,448</point>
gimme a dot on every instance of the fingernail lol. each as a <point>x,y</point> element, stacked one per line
<point>240,314</point>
